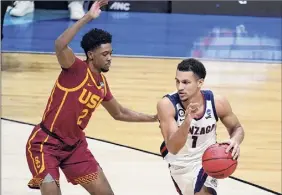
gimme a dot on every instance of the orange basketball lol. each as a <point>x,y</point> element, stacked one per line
<point>217,163</point>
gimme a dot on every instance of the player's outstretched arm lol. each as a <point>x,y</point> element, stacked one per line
<point>118,112</point>
<point>232,124</point>
<point>175,137</point>
<point>64,53</point>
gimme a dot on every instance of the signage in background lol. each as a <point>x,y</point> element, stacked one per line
<point>237,43</point>
<point>238,8</point>
<point>139,6</point>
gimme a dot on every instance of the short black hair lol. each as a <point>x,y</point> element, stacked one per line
<point>194,66</point>
<point>94,38</point>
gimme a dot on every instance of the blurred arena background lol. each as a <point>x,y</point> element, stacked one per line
<point>239,42</point>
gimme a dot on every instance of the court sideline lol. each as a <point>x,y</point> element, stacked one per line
<point>129,171</point>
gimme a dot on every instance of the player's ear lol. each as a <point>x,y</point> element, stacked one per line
<point>90,55</point>
<point>200,83</point>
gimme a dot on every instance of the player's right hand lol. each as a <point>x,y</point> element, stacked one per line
<point>192,111</point>
<point>95,9</point>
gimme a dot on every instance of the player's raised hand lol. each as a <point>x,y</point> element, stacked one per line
<point>192,111</point>
<point>95,9</point>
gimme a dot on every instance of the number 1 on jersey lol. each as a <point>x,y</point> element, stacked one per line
<point>194,142</point>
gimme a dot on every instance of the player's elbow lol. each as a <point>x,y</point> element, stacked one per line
<point>173,151</point>
<point>172,148</point>
<point>117,116</point>
<point>59,45</point>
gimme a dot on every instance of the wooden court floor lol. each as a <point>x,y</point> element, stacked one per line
<point>254,91</point>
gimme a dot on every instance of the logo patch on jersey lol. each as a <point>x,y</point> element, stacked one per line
<point>102,84</point>
<point>208,114</point>
<point>181,113</point>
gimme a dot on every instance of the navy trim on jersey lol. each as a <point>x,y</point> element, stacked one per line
<point>201,179</point>
<point>207,94</point>
<point>213,105</point>
<point>200,182</point>
<point>174,98</point>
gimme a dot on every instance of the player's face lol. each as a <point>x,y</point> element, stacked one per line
<point>102,57</point>
<point>187,84</point>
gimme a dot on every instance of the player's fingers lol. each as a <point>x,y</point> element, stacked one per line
<point>231,145</point>
<point>236,156</point>
<point>235,148</point>
<point>103,2</point>
<point>188,110</point>
<point>194,106</point>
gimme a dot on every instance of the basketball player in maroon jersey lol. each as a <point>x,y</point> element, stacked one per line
<point>59,141</point>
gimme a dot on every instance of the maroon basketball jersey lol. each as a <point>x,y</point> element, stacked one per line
<point>75,96</point>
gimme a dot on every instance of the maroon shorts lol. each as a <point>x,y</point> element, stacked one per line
<point>46,154</point>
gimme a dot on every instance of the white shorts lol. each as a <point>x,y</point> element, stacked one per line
<point>190,180</point>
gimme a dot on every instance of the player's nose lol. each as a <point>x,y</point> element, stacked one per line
<point>180,87</point>
<point>109,58</point>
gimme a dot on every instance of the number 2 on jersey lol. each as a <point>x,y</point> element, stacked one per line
<point>84,113</point>
<point>194,142</point>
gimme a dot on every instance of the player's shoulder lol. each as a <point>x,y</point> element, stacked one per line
<point>220,99</point>
<point>165,105</point>
<point>78,64</point>
<point>80,61</point>
<point>216,96</point>
<point>222,104</point>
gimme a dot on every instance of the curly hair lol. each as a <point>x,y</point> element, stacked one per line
<point>193,65</point>
<point>94,38</point>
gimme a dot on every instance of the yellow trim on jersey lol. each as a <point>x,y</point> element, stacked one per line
<point>105,85</point>
<point>29,146</point>
<point>42,155</point>
<point>75,88</point>
<point>92,78</point>
<point>51,129</point>
<point>59,110</point>
<point>51,99</point>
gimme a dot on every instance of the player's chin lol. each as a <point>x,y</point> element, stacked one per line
<point>183,99</point>
<point>105,69</point>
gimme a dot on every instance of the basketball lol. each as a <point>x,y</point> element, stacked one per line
<point>217,163</point>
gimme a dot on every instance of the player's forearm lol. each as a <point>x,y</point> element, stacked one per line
<point>238,135</point>
<point>128,115</point>
<point>178,139</point>
<point>66,37</point>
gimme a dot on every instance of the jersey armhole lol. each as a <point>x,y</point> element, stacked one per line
<point>73,78</point>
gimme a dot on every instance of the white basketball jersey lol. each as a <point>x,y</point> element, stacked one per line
<point>202,131</point>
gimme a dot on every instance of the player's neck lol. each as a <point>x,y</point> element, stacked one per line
<point>93,69</point>
<point>197,98</point>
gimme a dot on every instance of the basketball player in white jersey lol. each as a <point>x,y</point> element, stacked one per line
<point>188,120</point>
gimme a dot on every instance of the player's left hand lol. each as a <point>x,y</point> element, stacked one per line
<point>235,146</point>
<point>95,10</point>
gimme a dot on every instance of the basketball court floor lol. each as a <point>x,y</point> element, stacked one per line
<point>129,171</point>
<point>129,152</point>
